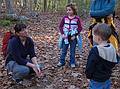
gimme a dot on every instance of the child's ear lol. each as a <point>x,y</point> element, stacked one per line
<point>17,33</point>
<point>99,38</point>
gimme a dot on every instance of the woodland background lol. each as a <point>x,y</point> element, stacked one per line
<point>43,18</point>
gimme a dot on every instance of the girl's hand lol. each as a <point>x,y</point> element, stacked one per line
<point>88,80</point>
<point>63,36</point>
<point>73,37</point>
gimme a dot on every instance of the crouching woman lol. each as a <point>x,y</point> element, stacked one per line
<point>19,48</point>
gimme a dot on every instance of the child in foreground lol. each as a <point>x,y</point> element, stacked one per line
<point>102,58</point>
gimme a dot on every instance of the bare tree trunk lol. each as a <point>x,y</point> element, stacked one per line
<point>45,5</point>
<point>58,1</point>
<point>81,7</point>
<point>35,1</point>
<point>53,5</point>
<point>69,1</point>
<point>35,4</point>
<point>58,5</point>
<point>0,6</point>
<point>9,6</point>
<point>25,3</point>
<point>30,5</point>
<point>15,3</point>
<point>118,8</point>
<point>49,2</point>
<point>78,6</point>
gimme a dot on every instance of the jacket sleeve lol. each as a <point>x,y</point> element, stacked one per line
<point>61,26</point>
<point>91,63</point>
<point>79,26</point>
<point>13,49</point>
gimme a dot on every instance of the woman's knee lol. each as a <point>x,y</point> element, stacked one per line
<point>23,70</point>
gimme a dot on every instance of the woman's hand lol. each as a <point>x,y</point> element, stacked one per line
<point>35,68</point>
<point>37,71</point>
<point>73,37</point>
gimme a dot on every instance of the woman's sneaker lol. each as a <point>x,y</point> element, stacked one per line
<point>18,81</point>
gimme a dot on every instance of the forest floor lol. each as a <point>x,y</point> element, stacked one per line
<point>45,33</point>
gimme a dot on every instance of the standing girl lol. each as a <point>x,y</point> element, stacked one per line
<point>70,27</point>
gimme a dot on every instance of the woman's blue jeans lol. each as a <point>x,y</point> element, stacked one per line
<point>18,71</point>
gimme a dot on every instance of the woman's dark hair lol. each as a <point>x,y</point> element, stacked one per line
<point>19,27</point>
<point>73,7</point>
<point>103,30</point>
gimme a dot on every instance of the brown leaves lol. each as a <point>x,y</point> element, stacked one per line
<point>45,33</point>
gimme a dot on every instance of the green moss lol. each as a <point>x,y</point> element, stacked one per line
<point>5,22</point>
